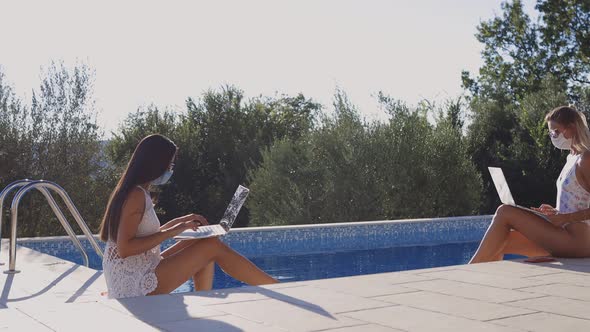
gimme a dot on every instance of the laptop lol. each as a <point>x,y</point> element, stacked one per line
<point>504,192</point>
<point>226,222</point>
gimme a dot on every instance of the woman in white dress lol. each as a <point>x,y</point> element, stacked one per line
<point>133,264</point>
<point>516,231</point>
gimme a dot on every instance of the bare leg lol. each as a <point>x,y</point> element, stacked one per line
<point>177,268</point>
<point>492,245</point>
<point>552,239</point>
<point>204,278</point>
<point>518,244</point>
<point>178,246</point>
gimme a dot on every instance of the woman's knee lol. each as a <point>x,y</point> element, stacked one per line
<point>216,246</point>
<point>504,213</point>
<point>503,210</point>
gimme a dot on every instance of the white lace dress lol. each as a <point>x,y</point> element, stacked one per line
<point>133,275</point>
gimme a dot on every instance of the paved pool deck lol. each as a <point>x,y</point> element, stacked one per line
<point>51,294</point>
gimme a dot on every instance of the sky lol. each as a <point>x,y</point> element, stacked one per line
<point>162,52</point>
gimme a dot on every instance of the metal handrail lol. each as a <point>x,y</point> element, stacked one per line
<point>62,219</point>
<point>3,194</point>
<point>42,186</point>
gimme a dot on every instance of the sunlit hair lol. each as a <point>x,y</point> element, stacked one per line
<point>151,158</point>
<point>569,117</point>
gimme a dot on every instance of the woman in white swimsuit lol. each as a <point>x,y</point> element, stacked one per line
<point>517,231</point>
<point>133,264</point>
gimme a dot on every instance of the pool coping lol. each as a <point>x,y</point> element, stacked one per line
<point>303,226</point>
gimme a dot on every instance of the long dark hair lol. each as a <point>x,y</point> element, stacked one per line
<point>151,158</point>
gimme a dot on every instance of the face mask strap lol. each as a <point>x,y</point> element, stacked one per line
<point>163,179</point>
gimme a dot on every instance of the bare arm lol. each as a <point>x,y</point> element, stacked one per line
<point>578,216</point>
<point>182,244</point>
<point>127,243</point>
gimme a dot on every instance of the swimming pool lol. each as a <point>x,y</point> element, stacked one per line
<point>295,253</point>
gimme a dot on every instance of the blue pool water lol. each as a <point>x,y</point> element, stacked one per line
<point>328,264</point>
<point>328,251</point>
<point>350,263</point>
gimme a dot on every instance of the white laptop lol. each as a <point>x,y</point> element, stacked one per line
<point>226,221</point>
<point>504,191</point>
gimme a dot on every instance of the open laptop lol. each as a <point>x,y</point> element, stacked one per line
<point>226,221</point>
<point>504,192</point>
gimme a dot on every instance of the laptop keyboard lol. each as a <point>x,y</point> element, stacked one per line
<point>202,232</point>
<point>214,230</point>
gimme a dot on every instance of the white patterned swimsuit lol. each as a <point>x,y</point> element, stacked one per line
<point>571,196</point>
<point>133,275</point>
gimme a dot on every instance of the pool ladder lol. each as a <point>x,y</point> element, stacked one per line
<point>44,187</point>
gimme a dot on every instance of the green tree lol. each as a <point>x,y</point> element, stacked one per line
<point>351,170</point>
<point>433,175</point>
<point>519,53</point>
<point>137,125</point>
<point>13,132</point>
<point>220,137</point>
<point>57,139</point>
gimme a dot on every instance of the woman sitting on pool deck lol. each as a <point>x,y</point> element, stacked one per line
<point>133,264</point>
<point>517,231</point>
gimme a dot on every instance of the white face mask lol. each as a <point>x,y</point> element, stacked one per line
<point>163,179</point>
<point>561,142</point>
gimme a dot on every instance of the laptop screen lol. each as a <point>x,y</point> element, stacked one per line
<point>501,185</point>
<point>234,207</point>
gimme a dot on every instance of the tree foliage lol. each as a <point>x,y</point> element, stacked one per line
<point>351,170</point>
<point>55,139</point>
<point>520,53</point>
<point>220,136</point>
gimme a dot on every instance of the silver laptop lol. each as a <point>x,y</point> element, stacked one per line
<point>226,222</point>
<point>504,192</point>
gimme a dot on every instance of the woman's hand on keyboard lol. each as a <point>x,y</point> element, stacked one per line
<point>546,209</point>
<point>182,226</point>
<point>183,223</point>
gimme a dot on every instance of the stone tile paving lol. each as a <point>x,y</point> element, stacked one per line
<point>54,295</point>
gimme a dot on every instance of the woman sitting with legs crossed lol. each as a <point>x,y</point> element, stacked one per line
<point>517,231</point>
